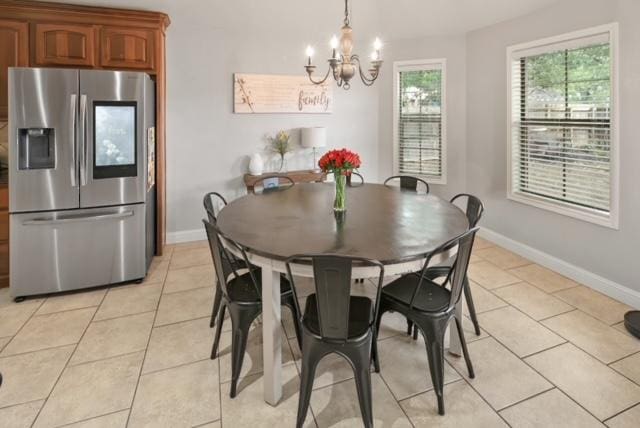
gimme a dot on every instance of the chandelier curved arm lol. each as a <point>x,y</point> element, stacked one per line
<point>310,70</point>
<point>367,80</point>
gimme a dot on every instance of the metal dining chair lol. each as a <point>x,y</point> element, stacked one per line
<point>407,182</point>
<point>473,209</point>
<point>335,321</point>
<point>273,183</point>
<point>359,179</point>
<point>431,307</point>
<point>213,203</point>
<point>241,296</point>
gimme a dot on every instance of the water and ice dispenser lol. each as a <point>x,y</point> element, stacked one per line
<point>36,148</point>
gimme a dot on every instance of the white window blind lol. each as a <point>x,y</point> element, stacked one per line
<point>561,140</point>
<point>419,120</point>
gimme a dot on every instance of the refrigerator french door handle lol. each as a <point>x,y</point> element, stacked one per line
<point>83,140</point>
<point>74,114</point>
<point>74,219</point>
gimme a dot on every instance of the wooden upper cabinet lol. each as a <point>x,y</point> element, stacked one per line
<point>14,52</point>
<point>127,48</point>
<point>64,44</point>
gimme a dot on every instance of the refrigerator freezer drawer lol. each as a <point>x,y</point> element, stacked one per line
<point>69,250</point>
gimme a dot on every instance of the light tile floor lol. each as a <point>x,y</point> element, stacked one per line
<point>552,353</point>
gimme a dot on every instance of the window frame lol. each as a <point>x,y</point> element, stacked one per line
<point>565,208</point>
<point>420,65</point>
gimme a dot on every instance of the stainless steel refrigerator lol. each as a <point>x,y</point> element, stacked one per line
<point>81,178</point>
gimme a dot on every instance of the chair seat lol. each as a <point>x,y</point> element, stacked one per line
<point>242,290</point>
<point>360,315</point>
<point>431,296</point>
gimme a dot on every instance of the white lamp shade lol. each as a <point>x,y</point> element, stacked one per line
<point>314,137</point>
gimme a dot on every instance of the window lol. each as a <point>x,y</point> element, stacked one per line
<point>562,139</point>
<point>419,119</point>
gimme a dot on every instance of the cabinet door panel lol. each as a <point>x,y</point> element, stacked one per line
<point>64,44</point>
<point>127,48</point>
<point>14,52</point>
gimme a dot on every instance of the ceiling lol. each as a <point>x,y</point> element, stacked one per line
<point>418,18</point>
<point>391,19</point>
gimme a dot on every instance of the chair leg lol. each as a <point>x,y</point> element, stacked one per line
<point>310,360</point>
<point>409,327</point>
<point>363,386</point>
<point>472,308</point>
<point>465,351</point>
<point>415,332</point>
<point>216,307</point>
<point>241,320</point>
<point>361,361</point>
<point>434,331</point>
<point>216,342</point>
<point>374,351</point>
<point>296,321</point>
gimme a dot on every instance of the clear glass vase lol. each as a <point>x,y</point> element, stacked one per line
<point>340,202</point>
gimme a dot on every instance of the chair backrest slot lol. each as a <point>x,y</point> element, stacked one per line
<point>333,289</point>
<point>272,183</point>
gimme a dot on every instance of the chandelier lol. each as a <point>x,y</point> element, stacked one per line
<point>343,64</point>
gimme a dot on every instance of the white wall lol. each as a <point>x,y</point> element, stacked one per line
<point>453,49</point>
<point>612,254</point>
<point>207,145</point>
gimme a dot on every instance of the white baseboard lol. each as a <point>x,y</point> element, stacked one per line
<point>186,236</point>
<point>578,274</point>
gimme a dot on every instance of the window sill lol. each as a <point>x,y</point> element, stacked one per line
<point>591,216</point>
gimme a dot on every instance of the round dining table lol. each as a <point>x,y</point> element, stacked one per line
<point>398,228</point>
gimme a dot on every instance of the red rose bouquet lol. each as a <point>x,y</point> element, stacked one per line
<point>340,163</point>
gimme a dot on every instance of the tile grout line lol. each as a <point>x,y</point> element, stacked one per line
<point>23,325</point>
<point>468,382</point>
<point>545,378</point>
<point>69,344</point>
<point>66,365</point>
<point>146,350</point>
<point>619,413</point>
<point>22,404</point>
<point>394,397</point>
<point>623,358</point>
<point>573,309</point>
<point>168,293</point>
<point>584,350</point>
<point>92,418</point>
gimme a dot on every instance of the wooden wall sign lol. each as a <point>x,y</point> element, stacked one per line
<point>268,93</point>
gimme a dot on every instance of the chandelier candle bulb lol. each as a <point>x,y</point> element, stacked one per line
<point>334,45</point>
<point>377,44</point>
<point>309,53</point>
